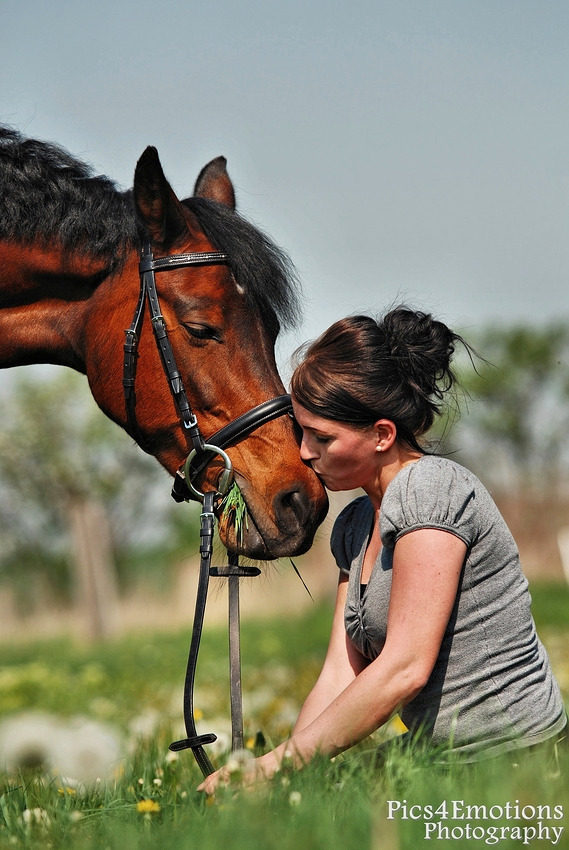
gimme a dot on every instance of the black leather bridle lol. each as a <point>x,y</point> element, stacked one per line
<point>203,451</point>
<point>232,433</point>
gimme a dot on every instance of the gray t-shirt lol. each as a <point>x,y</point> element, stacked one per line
<point>491,688</point>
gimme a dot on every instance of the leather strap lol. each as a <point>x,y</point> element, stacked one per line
<point>188,418</point>
<point>194,741</point>
<point>147,267</point>
<point>237,430</point>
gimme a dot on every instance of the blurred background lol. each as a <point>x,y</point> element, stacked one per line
<point>400,152</point>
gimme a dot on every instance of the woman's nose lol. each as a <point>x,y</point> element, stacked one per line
<point>306,453</point>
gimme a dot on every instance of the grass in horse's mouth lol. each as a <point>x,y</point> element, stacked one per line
<point>234,510</point>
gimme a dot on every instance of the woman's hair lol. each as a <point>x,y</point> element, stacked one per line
<point>362,369</point>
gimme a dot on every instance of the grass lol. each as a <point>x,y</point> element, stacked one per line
<point>235,510</point>
<point>151,802</point>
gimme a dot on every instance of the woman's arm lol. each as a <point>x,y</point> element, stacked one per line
<point>341,666</point>
<point>427,564</point>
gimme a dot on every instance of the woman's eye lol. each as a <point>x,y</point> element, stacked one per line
<point>203,332</point>
<point>321,439</point>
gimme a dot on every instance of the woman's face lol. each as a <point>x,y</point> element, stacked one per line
<point>344,457</point>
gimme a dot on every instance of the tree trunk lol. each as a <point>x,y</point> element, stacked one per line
<point>94,568</point>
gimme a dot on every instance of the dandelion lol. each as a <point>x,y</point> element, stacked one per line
<point>78,748</point>
<point>171,757</point>
<point>27,740</point>
<point>295,798</point>
<point>31,816</point>
<point>67,789</point>
<point>238,761</point>
<point>157,781</point>
<point>141,781</point>
<point>148,807</point>
<point>398,725</point>
<point>222,728</point>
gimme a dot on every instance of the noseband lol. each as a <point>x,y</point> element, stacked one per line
<point>184,489</point>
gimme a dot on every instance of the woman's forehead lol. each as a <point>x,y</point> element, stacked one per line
<point>312,422</point>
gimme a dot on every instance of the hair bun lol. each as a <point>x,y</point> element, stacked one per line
<point>422,348</point>
<point>362,369</point>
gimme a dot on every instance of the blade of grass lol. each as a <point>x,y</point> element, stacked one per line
<point>234,510</point>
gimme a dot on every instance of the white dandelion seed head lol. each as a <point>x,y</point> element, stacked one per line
<point>78,749</point>
<point>238,761</point>
<point>220,726</point>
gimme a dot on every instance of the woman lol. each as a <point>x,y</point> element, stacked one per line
<point>432,615</point>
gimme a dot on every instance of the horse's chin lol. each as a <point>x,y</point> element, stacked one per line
<point>251,543</point>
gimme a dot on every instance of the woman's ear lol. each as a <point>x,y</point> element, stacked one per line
<point>386,433</point>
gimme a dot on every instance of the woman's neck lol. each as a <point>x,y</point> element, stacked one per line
<point>391,463</point>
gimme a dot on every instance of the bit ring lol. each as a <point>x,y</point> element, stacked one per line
<point>225,479</point>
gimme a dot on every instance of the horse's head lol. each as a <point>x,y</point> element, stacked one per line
<point>222,322</point>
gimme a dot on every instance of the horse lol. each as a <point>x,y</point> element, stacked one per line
<point>70,245</point>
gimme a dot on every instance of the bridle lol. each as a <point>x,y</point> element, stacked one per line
<point>230,434</point>
<point>184,489</point>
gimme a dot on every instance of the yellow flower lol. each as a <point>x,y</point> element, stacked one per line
<point>398,725</point>
<point>67,790</point>
<point>150,807</point>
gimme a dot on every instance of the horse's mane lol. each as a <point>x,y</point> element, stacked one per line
<point>46,194</point>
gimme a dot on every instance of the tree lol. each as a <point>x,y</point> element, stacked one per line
<point>65,469</point>
<point>516,425</point>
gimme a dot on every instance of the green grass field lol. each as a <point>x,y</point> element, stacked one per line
<point>147,798</point>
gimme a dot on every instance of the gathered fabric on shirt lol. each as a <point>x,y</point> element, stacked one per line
<point>491,688</point>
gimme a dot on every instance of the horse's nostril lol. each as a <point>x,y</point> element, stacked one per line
<point>292,510</point>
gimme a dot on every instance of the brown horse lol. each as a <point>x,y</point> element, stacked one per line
<point>69,283</point>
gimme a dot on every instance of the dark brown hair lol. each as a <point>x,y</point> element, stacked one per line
<point>362,369</point>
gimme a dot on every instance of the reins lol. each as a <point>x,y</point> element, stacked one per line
<point>184,487</point>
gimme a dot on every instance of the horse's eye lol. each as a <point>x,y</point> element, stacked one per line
<point>203,332</point>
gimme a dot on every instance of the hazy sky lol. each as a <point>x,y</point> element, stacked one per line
<point>397,149</point>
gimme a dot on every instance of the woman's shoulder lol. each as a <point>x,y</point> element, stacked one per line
<point>431,469</point>
<point>433,492</point>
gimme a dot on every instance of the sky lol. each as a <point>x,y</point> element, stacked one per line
<point>400,150</point>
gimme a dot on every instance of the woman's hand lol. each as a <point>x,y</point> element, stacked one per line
<point>244,771</point>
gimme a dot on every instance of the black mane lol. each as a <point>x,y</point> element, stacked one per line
<point>46,194</point>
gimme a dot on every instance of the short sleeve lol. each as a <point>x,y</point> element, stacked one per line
<point>343,538</point>
<point>434,492</point>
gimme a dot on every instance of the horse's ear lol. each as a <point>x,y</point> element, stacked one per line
<point>213,182</point>
<point>156,201</point>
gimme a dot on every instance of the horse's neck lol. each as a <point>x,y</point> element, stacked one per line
<point>43,300</point>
